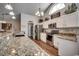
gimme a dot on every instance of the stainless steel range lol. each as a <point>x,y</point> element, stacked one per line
<point>49,37</point>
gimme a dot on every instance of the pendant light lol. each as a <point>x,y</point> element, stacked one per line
<point>8,6</point>
<point>13,17</point>
<point>39,12</point>
<point>11,13</point>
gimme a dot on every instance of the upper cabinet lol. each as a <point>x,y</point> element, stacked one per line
<point>64,21</point>
<point>60,23</point>
<point>69,20</point>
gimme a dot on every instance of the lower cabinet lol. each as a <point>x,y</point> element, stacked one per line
<point>43,37</point>
<point>78,43</point>
<point>55,41</point>
<point>65,47</point>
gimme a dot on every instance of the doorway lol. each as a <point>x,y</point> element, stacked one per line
<point>30,29</point>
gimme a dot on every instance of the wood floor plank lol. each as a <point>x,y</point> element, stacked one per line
<point>49,49</point>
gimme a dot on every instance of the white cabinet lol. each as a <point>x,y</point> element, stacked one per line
<point>60,22</point>
<point>78,43</point>
<point>43,37</point>
<point>55,41</point>
<point>45,25</point>
<point>69,20</point>
<point>65,47</point>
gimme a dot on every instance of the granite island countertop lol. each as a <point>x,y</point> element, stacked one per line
<point>20,46</point>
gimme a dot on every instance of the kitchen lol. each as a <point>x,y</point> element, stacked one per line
<point>60,30</point>
<point>56,31</point>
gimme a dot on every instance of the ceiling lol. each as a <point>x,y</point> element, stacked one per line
<point>28,8</point>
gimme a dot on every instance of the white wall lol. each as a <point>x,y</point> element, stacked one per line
<point>24,22</point>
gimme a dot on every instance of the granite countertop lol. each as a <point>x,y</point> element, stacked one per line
<point>67,34</point>
<point>20,46</point>
<point>67,37</point>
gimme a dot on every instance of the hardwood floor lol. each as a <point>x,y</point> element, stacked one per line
<point>49,49</point>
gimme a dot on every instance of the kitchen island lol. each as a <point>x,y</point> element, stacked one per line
<point>19,46</point>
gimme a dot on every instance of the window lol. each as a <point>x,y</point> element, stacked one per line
<point>56,7</point>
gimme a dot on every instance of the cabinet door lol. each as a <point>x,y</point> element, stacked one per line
<point>43,37</point>
<point>55,40</point>
<point>60,22</point>
<point>70,20</point>
<point>45,25</point>
<point>67,48</point>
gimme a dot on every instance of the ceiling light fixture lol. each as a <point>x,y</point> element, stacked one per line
<point>13,17</point>
<point>39,13</point>
<point>9,7</point>
<point>42,13</point>
<point>11,13</point>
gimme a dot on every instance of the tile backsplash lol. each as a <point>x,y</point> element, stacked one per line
<point>76,31</point>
